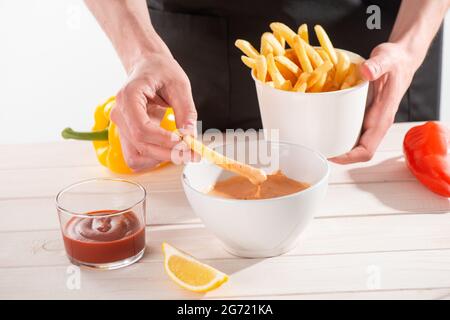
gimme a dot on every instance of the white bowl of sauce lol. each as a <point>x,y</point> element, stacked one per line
<point>262,225</point>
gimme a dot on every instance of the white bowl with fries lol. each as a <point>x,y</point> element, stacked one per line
<point>313,96</point>
<point>329,122</point>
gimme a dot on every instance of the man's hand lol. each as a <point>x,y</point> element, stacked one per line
<point>154,83</point>
<point>391,67</point>
<point>391,70</point>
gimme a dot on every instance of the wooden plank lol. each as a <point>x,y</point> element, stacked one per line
<point>47,182</point>
<point>336,273</point>
<point>39,182</point>
<point>386,166</point>
<point>342,245</point>
<point>287,275</point>
<point>363,199</point>
<point>408,294</point>
<point>369,199</point>
<point>393,141</point>
<point>47,155</point>
<point>80,153</point>
<point>40,213</point>
<point>35,182</point>
<point>324,236</point>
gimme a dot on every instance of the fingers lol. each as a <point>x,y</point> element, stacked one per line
<point>358,154</point>
<point>393,76</point>
<point>155,111</point>
<point>130,114</point>
<point>378,120</point>
<point>379,64</point>
<point>140,156</point>
<point>144,143</point>
<point>366,148</point>
<point>140,105</point>
<point>179,96</point>
<point>135,161</point>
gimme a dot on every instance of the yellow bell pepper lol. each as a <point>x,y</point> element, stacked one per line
<point>105,136</point>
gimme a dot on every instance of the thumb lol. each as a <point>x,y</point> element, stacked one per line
<point>379,64</point>
<point>179,97</point>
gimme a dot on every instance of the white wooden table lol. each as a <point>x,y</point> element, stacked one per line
<point>380,234</point>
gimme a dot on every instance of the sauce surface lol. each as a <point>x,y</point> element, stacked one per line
<point>104,239</point>
<point>238,187</point>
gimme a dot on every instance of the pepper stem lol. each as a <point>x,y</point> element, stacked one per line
<point>68,133</point>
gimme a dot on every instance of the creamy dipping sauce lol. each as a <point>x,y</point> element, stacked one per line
<point>276,185</point>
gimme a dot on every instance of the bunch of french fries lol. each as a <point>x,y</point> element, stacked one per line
<point>301,67</point>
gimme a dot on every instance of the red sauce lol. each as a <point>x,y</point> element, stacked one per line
<point>104,239</point>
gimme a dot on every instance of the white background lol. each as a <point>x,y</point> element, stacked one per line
<point>56,65</point>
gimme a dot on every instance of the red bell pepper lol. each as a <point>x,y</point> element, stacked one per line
<point>426,153</point>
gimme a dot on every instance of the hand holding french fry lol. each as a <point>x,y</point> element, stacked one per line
<point>139,107</point>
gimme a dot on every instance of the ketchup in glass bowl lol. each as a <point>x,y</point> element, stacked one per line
<point>103,222</point>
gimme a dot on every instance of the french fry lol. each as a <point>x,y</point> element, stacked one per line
<point>351,78</point>
<point>318,87</point>
<point>286,86</point>
<point>329,86</point>
<point>342,67</point>
<point>268,37</point>
<point>261,68</point>
<point>284,31</point>
<point>326,43</point>
<point>331,75</point>
<point>317,74</point>
<point>314,57</point>
<point>249,62</point>
<point>302,81</point>
<point>246,48</point>
<point>302,88</point>
<point>275,74</point>
<point>288,64</point>
<point>285,72</point>
<point>302,56</point>
<point>280,39</point>
<point>302,67</point>
<point>323,54</point>
<point>255,175</point>
<point>303,32</point>
<point>291,55</point>
<point>266,48</point>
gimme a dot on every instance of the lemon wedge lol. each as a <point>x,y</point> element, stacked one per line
<point>189,273</point>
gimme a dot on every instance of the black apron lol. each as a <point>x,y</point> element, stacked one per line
<point>201,35</point>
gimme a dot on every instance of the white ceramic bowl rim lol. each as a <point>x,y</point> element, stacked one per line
<point>363,83</point>
<point>307,190</point>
